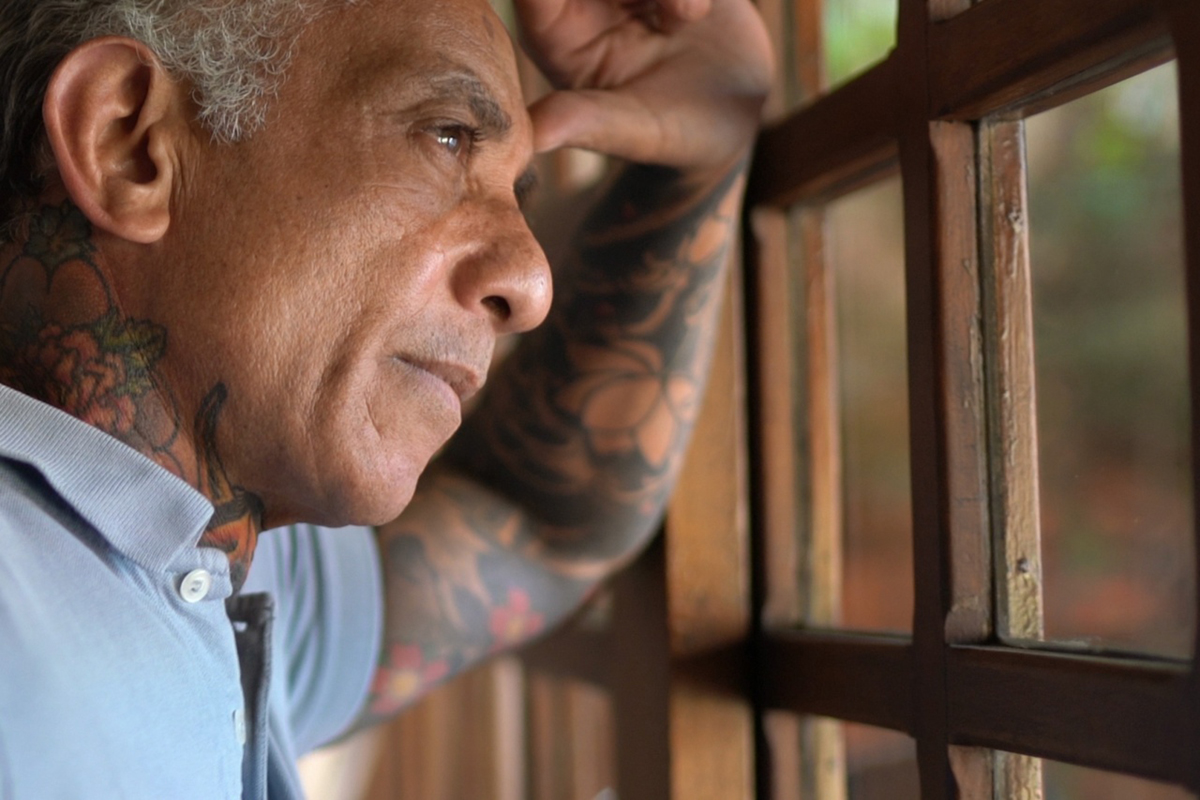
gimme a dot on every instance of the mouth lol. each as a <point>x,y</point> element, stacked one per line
<point>464,381</point>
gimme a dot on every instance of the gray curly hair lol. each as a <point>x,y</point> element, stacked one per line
<point>233,53</point>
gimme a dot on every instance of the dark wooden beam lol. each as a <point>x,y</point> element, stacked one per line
<point>1126,715</point>
<point>1005,54</point>
<point>573,652</point>
<point>843,140</point>
<point>860,678</point>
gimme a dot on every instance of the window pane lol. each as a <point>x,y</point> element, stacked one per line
<point>1110,354</point>
<point>880,764</point>
<point>1069,782</point>
<point>858,33</point>
<point>572,748</point>
<point>828,759</point>
<point>865,252</point>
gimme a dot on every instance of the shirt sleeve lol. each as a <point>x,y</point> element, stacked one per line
<point>328,625</point>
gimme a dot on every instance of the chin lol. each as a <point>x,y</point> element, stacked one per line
<point>352,490</point>
<point>365,459</point>
<point>376,496</point>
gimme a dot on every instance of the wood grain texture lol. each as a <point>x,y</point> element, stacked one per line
<point>821,531</point>
<point>934,162</point>
<point>708,582</point>
<point>842,141</point>
<point>1124,715</point>
<point>1003,54</point>
<point>960,375</point>
<point>447,746</point>
<point>781,497</point>
<point>707,524</point>
<point>1012,394</point>
<point>572,743</point>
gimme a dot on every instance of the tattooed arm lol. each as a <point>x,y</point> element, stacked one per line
<point>561,475</point>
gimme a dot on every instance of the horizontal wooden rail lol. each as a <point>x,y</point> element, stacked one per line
<point>860,678</point>
<point>573,652</point>
<point>1125,715</point>
<point>1004,54</point>
<point>837,143</point>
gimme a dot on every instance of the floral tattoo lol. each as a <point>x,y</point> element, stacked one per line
<point>65,340</point>
<point>585,424</point>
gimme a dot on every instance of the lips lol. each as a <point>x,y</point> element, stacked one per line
<point>464,381</point>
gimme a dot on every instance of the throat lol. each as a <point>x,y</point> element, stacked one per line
<point>238,514</point>
<point>234,530</point>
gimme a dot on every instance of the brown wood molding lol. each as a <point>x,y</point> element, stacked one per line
<point>840,142</point>
<point>856,677</point>
<point>1129,715</point>
<point>573,652</point>
<point>1002,55</point>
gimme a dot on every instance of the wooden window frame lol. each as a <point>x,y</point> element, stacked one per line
<point>730,617</point>
<point>945,107</point>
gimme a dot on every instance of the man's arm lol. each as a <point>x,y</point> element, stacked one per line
<point>562,473</point>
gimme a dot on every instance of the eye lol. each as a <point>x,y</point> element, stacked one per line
<point>456,138</point>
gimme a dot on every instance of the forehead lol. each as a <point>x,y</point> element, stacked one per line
<point>381,45</point>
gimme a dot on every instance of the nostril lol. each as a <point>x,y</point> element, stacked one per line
<point>498,306</point>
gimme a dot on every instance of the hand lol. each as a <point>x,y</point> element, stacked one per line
<point>678,83</point>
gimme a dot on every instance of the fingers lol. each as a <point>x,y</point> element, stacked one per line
<point>687,10</point>
<point>594,120</point>
<point>666,16</point>
<point>539,15</point>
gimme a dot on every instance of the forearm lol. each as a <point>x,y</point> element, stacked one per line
<point>563,471</point>
<point>587,424</point>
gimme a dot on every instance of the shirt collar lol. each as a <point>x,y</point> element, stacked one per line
<point>145,512</point>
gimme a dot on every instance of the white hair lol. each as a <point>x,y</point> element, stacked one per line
<point>233,53</point>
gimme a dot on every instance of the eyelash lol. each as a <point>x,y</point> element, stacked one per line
<point>467,136</point>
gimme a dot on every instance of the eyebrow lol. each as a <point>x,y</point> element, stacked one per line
<point>463,83</point>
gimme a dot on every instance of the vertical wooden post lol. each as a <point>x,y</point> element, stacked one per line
<point>708,585</point>
<point>1185,25</point>
<point>1008,315</point>
<point>641,679</point>
<point>951,553</point>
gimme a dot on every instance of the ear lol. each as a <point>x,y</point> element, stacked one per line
<point>116,122</point>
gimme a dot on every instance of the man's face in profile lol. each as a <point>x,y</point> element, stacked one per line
<point>346,270</point>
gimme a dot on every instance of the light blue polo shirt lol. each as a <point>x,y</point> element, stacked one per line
<point>126,669</point>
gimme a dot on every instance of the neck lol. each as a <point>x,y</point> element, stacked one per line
<point>65,340</point>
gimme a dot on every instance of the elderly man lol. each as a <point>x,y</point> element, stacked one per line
<point>256,256</point>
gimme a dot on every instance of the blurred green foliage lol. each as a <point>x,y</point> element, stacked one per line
<point>1106,242</point>
<point>858,33</point>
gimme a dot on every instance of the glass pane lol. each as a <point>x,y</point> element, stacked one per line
<point>865,251</point>
<point>828,759</point>
<point>858,33</point>
<point>572,740</point>
<point>1069,782</point>
<point>1111,370</point>
<point>880,764</point>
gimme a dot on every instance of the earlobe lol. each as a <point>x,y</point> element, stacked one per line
<point>114,120</point>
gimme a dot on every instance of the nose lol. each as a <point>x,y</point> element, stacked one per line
<point>506,277</point>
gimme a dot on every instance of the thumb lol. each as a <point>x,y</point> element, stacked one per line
<point>687,10</point>
<point>595,119</point>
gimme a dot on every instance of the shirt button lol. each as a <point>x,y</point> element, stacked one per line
<point>239,725</point>
<point>195,585</point>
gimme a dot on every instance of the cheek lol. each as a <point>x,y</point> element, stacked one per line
<point>374,441</point>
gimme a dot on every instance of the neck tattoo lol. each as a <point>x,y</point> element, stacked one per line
<point>65,341</point>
